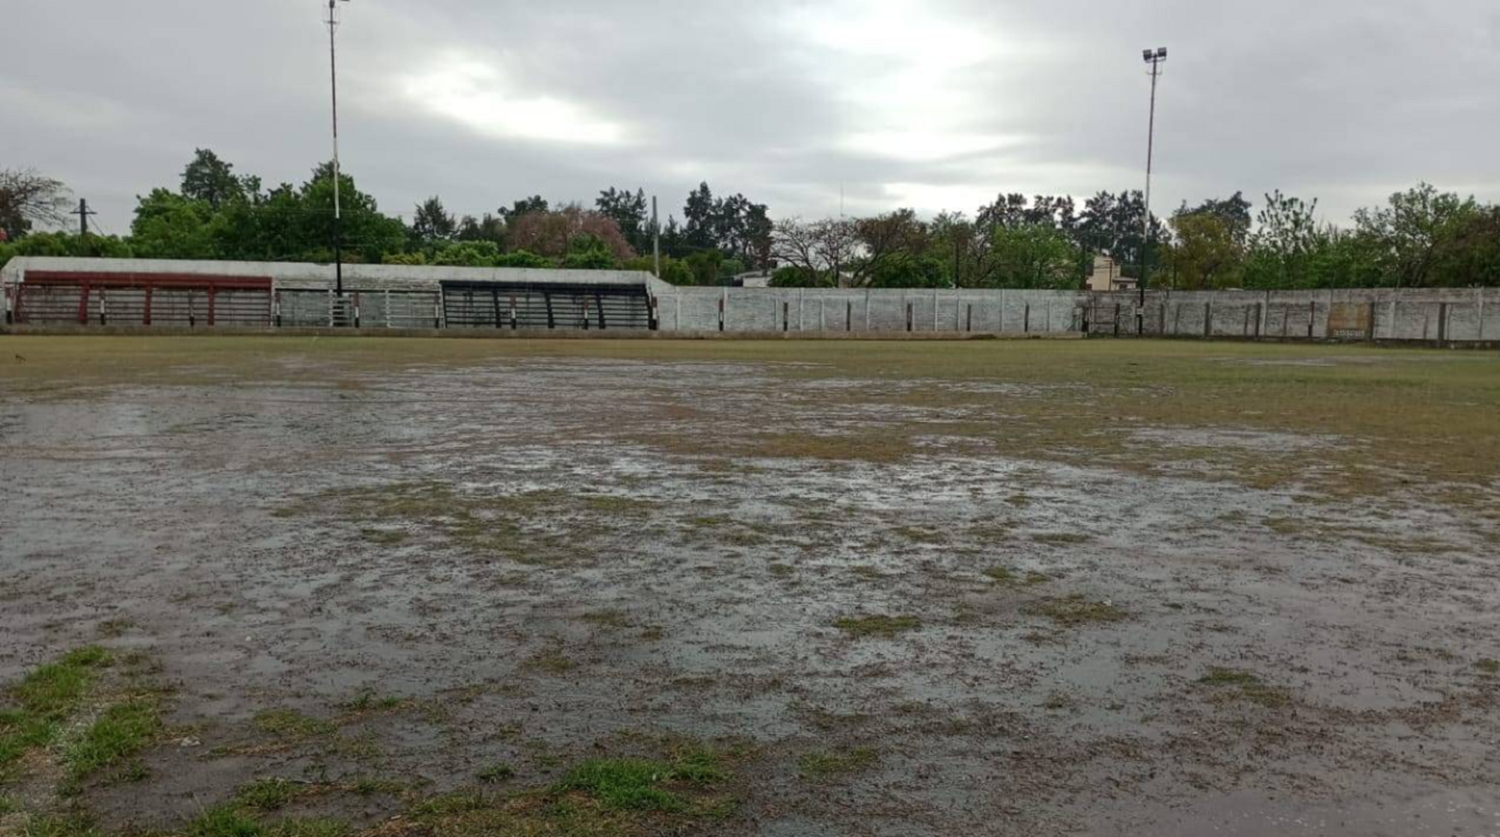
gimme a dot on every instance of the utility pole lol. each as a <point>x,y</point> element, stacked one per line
<point>655,237</point>
<point>1154,57</point>
<point>83,212</point>
<point>333,67</point>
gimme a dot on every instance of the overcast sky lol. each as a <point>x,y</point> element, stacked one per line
<point>928,104</point>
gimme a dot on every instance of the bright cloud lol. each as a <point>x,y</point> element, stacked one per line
<point>479,95</point>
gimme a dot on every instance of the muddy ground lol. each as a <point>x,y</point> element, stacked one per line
<point>1012,591</point>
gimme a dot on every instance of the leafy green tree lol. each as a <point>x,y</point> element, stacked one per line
<point>704,266</point>
<point>432,225</point>
<point>1283,251</point>
<point>522,259</point>
<point>489,228</point>
<point>1115,225</point>
<point>524,206</point>
<point>1232,213</point>
<point>1033,256</point>
<point>910,271</point>
<point>1412,233</point>
<point>71,245</point>
<point>700,220</point>
<point>629,212</point>
<point>367,234</point>
<point>800,277</point>
<point>586,252</point>
<point>410,259</point>
<point>211,180</point>
<point>1472,256</point>
<point>1205,254</point>
<point>170,226</point>
<point>467,254</point>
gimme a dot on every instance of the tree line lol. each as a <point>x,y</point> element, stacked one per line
<point>1420,238</point>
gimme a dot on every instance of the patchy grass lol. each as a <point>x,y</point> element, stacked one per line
<point>372,703</point>
<point>1487,666</point>
<point>1010,578</point>
<point>922,535</point>
<point>1431,415</point>
<point>384,537</point>
<point>625,784</point>
<point>497,773</point>
<point>609,797</point>
<point>232,820</point>
<point>46,699</point>
<point>617,619</point>
<point>827,764</point>
<point>224,821</point>
<point>1061,538</point>
<point>268,794</point>
<point>551,660</point>
<point>117,735</point>
<point>114,628</point>
<point>69,824</point>
<point>1244,685</point>
<point>885,627</point>
<point>292,725</point>
<point>1071,611</point>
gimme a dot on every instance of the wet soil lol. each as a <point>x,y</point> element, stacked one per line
<point>531,561</point>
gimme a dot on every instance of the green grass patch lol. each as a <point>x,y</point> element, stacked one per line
<point>497,773</point>
<point>372,703</point>
<point>268,794</point>
<point>71,824</point>
<point>232,820</point>
<point>224,821</point>
<point>291,724</point>
<point>1010,578</point>
<point>44,700</point>
<point>54,691</point>
<point>611,797</point>
<point>551,660</point>
<point>118,734</point>
<point>885,627</point>
<point>1075,610</point>
<point>625,784</point>
<point>827,764</point>
<point>1243,684</point>
<point>1490,667</point>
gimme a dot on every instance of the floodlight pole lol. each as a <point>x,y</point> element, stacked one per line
<point>1154,57</point>
<point>655,238</point>
<point>333,68</point>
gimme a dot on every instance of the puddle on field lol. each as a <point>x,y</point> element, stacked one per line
<point>1053,625</point>
<point>1442,813</point>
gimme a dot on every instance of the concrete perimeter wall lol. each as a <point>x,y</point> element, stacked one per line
<point>1453,315</point>
<point>792,310</point>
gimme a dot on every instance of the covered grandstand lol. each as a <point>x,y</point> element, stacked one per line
<point>193,294</point>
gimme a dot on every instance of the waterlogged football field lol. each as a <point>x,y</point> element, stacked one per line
<point>293,587</point>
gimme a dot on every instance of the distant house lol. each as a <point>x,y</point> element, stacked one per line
<point>1106,276</point>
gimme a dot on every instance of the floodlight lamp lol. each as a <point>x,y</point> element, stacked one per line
<point>1146,54</point>
<point>1161,52</point>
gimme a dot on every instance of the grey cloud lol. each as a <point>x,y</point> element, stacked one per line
<point>1343,100</point>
